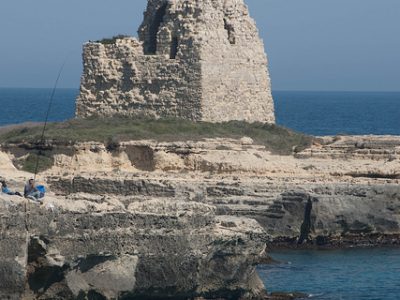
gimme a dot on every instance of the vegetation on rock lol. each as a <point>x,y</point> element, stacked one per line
<point>277,139</point>
<point>28,163</point>
<point>109,41</point>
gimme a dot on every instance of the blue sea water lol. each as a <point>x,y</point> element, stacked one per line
<point>331,113</point>
<point>355,274</point>
<point>317,113</point>
<point>30,105</point>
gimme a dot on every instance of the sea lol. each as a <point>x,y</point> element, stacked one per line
<point>316,113</point>
<point>353,274</point>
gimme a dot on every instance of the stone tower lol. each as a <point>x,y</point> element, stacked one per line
<point>201,60</point>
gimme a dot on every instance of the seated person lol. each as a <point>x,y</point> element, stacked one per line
<point>32,192</point>
<point>6,190</point>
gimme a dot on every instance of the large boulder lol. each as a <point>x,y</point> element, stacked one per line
<point>153,249</point>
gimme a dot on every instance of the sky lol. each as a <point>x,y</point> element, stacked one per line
<point>313,45</point>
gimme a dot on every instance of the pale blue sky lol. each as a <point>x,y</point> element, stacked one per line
<point>312,44</point>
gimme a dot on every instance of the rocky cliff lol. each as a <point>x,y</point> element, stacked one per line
<point>86,248</point>
<point>348,184</point>
<point>178,218</point>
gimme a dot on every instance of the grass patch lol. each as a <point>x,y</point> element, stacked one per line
<point>113,40</point>
<point>28,163</point>
<point>111,131</point>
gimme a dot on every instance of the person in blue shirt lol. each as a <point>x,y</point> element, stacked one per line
<point>32,192</point>
<point>6,190</point>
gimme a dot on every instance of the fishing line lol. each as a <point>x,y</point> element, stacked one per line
<point>42,139</point>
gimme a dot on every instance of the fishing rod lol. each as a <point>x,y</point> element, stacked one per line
<point>42,139</point>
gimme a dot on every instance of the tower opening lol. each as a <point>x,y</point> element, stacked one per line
<point>154,28</point>
<point>174,48</point>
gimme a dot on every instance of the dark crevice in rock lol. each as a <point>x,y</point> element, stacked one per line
<point>306,226</point>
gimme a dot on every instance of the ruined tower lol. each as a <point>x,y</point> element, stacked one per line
<point>201,60</point>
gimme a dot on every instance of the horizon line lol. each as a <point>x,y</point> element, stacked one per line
<point>277,90</point>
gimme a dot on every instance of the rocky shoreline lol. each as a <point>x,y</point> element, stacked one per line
<point>185,209</point>
<point>338,242</point>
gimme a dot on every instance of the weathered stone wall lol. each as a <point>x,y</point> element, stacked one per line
<point>120,80</point>
<point>198,60</point>
<point>235,81</point>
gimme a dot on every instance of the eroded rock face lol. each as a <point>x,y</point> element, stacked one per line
<point>198,60</point>
<point>153,249</point>
<point>349,184</point>
<point>179,218</point>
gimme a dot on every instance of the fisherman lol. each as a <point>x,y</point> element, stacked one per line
<point>32,192</point>
<point>6,190</point>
